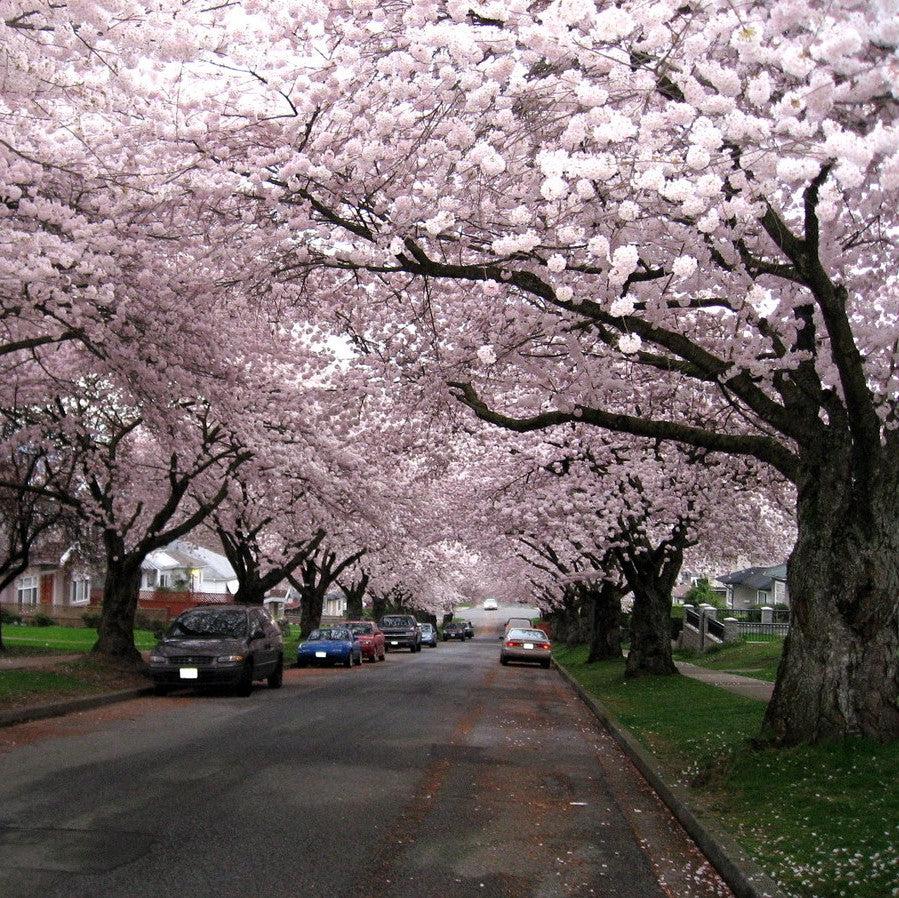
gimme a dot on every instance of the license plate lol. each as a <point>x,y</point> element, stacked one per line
<point>394,642</point>
<point>189,673</point>
<point>321,654</point>
<point>529,645</point>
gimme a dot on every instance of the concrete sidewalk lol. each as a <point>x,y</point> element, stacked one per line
<point>34,662</point>
<point>745,686</point>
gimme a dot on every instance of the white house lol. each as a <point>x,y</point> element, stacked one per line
<point>186,567</point>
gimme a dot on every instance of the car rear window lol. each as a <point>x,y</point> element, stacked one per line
<point>528,635</point>
<point>397,621</point>
<point>361,628</point>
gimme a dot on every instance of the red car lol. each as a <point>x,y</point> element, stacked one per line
<point>370,637</point>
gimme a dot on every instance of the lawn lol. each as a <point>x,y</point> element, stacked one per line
<point>291,640</point>
<point>28,639</point>
<point>821,820</point>
<point>755,657</point>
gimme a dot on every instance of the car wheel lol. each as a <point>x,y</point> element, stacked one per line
<point>161,689</point>
<point>349,660</point>
<point>544,664</point>
<point>245,683</point>
<point>383,655</point>
<point>503,660</point>
<point>301,663</point>
<point>276,677</point>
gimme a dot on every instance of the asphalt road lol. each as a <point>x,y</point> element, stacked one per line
<point>436,775</point>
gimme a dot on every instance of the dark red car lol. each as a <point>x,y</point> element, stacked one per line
<point>371,638</point>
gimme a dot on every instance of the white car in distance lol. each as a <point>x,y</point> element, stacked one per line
<point>490,605</point>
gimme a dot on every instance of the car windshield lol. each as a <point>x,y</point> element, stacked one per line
<point>529,635</point>
<point>210,623</point>
<point>452,626</point>
<point>426,628</point>
<point>361,629</point>
<point>329,634</point>
<point>396,622</point>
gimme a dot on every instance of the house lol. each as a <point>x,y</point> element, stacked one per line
<point>688,579</point>
<point>58,577</point>
<point>186,567</point>
<point>334,604</point>
<point>753,587</point>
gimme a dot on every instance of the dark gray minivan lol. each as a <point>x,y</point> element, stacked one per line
<point>218,645</point>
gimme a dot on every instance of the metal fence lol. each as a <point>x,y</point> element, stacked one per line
<point>756,628</point>
<point>754,615</point>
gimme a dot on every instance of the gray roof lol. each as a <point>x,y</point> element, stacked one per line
<point>757,577</point>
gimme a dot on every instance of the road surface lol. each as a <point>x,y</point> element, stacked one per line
<point>435,775</point>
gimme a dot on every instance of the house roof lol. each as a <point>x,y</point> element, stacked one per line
<point>180,555</point>
<point>757,577</point>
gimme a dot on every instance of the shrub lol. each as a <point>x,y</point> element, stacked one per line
<point>7,617</point>
<point>156,626</point>
<point>703,594</point>
<point>91,619</point>
<point>42,620</point>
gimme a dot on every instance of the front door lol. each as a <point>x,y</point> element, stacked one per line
<point>46,589</point>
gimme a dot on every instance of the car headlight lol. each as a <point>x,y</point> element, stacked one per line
<point>157,659</point>
<point>229,659</point>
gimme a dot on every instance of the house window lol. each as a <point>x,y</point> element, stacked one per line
<point>165,579</point>
<point>80,592</point>
<point>761,597</point>
<point>26,591</point>
<point>149,581</point>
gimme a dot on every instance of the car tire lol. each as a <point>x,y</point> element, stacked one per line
<point>301,663</point>
<point>276,677</point>
<point>503,661</point>
<point>349,660</point>
<point>383,655</point>
<point>544,664</point>
<point>161,689</point>
<point>245,683</point>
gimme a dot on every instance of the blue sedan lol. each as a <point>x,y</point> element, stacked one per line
<point>330,645</point>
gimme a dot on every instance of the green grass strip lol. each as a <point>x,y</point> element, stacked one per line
<point>15,684</point>
<point>822,820</point>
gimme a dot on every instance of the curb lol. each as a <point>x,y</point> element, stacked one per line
<point>59,709</point>
<point>745,878</point>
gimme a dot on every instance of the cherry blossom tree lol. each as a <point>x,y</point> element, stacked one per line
<point>662,201</point>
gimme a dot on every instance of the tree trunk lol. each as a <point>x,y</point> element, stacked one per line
<point>311,604</point>
<point>839,673</point>
<point>115,637</point>
<point>353,605</point>
<point>250,593</point>
<point>604,603</point>
<point>378,607</point>
<point>651,577</point>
